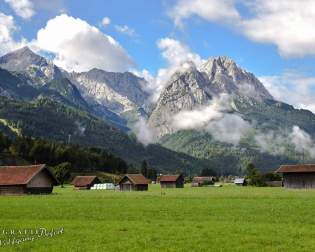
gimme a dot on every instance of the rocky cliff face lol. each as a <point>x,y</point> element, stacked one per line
<point>120,92</point>
<point>193,88</point>
<point>226,77</point>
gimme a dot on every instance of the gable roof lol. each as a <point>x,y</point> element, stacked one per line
<point>170,178</point>
<point>21,175</point>
<point>81,181</point>
<point>136,179</point>
<point>296,168</point>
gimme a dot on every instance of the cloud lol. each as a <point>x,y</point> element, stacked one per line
<point>211,10</point>
<point>7,30</point>
<point>144,133</point>
<point>124,29</point>
<point>215,119</point>
<point>302,141</point>
<point>292,88</point>
<point>290,25</point>
<point>78,46</point>
<point>22,8</point>
<point>105,21</point>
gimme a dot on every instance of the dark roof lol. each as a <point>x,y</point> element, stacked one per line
<point>296,168</point>
<point>136,179</point>
<point>169,178</point>
<point>202,179</point>
<point>21,175</point>
<point>81,181</point>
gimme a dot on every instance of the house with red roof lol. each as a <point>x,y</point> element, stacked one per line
<point>84,182</point>
<point>133,182</point>
<point>172,181</point>
<point>28,179</point>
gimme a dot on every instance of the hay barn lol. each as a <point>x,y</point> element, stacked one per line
<point>202,181</point>
<point>133,182</point>
<point>84,182</point>
<point>172,181</point>
<point>298,176</point>
<point>30,179</point>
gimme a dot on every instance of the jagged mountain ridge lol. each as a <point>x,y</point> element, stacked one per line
<point>117,97</point>
<point>192,88</point>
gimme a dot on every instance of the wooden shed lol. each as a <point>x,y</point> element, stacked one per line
<point>202,181</point>
<point>172,181</point>
<point>298,176</point>
<point>133,182</point>
<point>84,182</point>
<point>31,179</point>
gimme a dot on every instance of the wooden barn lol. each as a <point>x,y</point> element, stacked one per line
<point>172,181</point>
<point>133,182</point>
<point>202,181</point>
<point>84,182</point>
<point>31,179</point>
<point>298,176</point>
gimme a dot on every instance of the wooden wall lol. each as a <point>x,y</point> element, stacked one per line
<point>299,180</point>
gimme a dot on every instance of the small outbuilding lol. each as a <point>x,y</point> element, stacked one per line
<point>172,181</point>
<point>133,182</point>
<point>202,181</point>
<point>84,182</point>
<point>30,179</point>
<point>240,182</point>
<point>298,176</point>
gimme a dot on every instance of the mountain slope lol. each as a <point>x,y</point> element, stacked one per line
<point>48,119</point>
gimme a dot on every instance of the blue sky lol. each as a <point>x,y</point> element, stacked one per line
<point>250,32</point>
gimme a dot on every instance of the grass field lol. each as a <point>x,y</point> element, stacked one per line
<point>191,219</point>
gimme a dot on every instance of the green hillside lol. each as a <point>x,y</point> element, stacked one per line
<point>44,118</point>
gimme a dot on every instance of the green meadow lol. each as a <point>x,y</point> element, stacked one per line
<point>191,219</point>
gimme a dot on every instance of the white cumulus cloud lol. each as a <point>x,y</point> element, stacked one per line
<point>22,8</point>
<point>79,46</point>
<point>290,25</point>
<point>7,30</point>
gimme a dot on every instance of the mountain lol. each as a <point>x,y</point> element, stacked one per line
<point>95,108</point>
<point>42,78</point>
<point>36,68</point>
<point>191,88</point>
<point>122,93</point>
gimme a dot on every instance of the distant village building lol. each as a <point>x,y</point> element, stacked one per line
<point>298,176</point>
<point>30,179</point>
<point>240,182</point>
<point>133,182</point>
<point>84,182</point>
<point>172,181</point>
<point>202,181</point>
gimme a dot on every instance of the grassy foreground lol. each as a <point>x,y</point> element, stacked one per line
<point>191,219</point>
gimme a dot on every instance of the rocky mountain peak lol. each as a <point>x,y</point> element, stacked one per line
<point>35,67</point>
